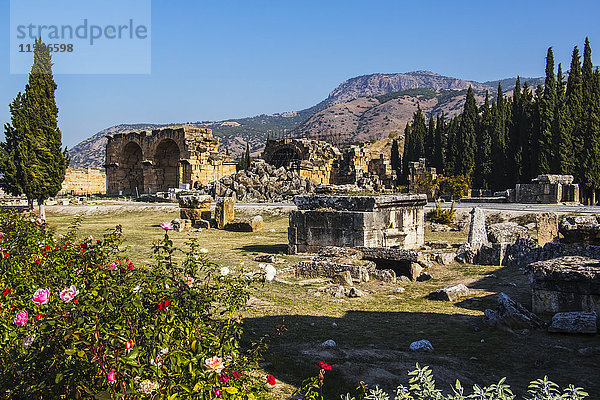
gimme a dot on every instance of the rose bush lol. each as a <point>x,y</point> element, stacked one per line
<point>79,320</point>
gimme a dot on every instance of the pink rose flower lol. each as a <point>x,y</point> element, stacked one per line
<point>111,376</point>
<point>1,234</point>
<point>41,296</point>
<point>21,318</point>
<point>214,364</point>
<point>167,226</point>
<point>68,294</point>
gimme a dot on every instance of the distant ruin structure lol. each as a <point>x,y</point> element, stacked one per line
<point>163,159</point>
<point>548,189</point>
<point>83,181</point>
<point>325,164</point>
<point>421,178</point>
<point>357,221</point>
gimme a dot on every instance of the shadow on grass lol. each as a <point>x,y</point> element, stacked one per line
<point>374,347</point>
<point>265,248</point>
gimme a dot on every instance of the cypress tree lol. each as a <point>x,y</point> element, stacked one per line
<point>439,144</point>
<point>515,153</point>
<point>498,140</point>
<point>526,128</point>
<point>451,153</point>
<point>483,167</point>
<point>408,148</point>
<point>465,139</point>
<point>395,159</point>
<point>414,146</point>
<point>430,139</point>
<point>562,142</point>
<point>534,138</point>
<point>32,160</point>
<point>590,175</point>
<point>547,112</point>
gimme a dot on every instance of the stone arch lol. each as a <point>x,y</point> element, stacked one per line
<point>132,170</point>
<point>166,165</point>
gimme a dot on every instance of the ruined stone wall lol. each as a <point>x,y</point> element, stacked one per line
<point>548,189</point>
<point>83,181</point>
<point>149,162</point>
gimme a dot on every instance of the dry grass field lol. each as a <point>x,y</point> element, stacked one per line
<point>373,332</point>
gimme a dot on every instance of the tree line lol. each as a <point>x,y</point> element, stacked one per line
<point>553,128</point>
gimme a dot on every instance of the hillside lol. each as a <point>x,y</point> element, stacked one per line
<point>361,108</point>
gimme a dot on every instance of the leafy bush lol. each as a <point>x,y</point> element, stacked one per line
<point>421,386</point>
<point>440,215</point>
<point>455,186</point>
<point>79,320</point>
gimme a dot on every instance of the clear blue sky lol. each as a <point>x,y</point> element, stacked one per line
<point>218,60</point>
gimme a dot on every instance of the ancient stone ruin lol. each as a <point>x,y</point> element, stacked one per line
<point>570,283</point>
<point>354,221</point>
<point>168,158</point>
<point>420,177</point>
<point>548,189</point>
<point>323,163</point>
<point>83,181</point>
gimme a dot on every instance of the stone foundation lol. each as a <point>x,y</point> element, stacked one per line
<point>564,284</point>
<point>356,221</point>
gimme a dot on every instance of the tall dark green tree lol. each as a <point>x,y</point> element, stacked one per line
<point>563,160</point>
<point>414,145</point>
<point>574,100</point>
<point>526,132</point>
<point>498,141</point>
<point>465,138</point>
<point>545,151</point>
<point>514,157</point>
<point>395,159</point>
<point>245,161</point>
<point>439,144</point>
<point>32,160</point>
<point>429,139</point>
<point>590,175</point>
<point>483,162</point>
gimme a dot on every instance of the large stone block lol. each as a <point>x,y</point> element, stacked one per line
<point>195,201</point>
<point>569,283</point>
<point>246,224</point>
<point>477,231</point>
<point>224,211</point>
<point>194,214</point>
<point>547,228</point>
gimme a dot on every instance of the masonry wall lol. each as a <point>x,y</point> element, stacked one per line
<point>84,181</point>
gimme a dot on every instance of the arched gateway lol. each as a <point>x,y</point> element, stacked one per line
<point>150,162</point>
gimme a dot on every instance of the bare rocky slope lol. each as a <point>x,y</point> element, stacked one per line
<point>361,108</point>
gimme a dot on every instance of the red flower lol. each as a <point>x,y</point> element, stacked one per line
<point>164,305</point>
<point>39,316</point>
<point>271,380</point>
<point>74,301</point>
<point>37,260</point>
<point>47,248</point>
<point>7,292</point>
<point>324,366</point>
<point>236,374</point>
<point>158,282</point>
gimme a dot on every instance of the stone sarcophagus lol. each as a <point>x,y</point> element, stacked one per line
<point>569,283</point>
<point>356,221</point>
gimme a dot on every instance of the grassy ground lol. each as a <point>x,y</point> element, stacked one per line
<point>373,332</point>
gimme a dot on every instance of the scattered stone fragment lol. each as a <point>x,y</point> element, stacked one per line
<point>574,322</point>
<point>329,343</point>
<point>384,275</point>
<point>399,290</point>
<point>438,244</point>
<point>343,278</point>
<point>339,291</point>
<point>450,293</point>
<point>268,258</point>
<point>246,224</point>
<point>353,292</point>
<point>466,253</point>
<point>333,325</point>
<point>415,271</point>
<point>421,346</point>
<point>445,258</point>
<point>512,315</point>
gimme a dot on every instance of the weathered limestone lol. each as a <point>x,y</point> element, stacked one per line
<point>477,232</point>
<point>450,293</point>
<point>150,162</point>
<point>195,207</point>
<point>570,283</point>
<point>506,232</point>
<point>581,229</point>
<point>246,224</point>
<point>224,211</point>
<point>548,189</point>
<point>84,181</point>
<point>355,221</point>
<point>512,315</point>
<point>547,228</point>
<point>574,322</point>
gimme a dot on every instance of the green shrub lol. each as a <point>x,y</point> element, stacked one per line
<point>421,386</point>
<point>440,215</point>
<point>79,320</point>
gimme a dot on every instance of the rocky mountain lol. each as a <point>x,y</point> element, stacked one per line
<point>361,108</point>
